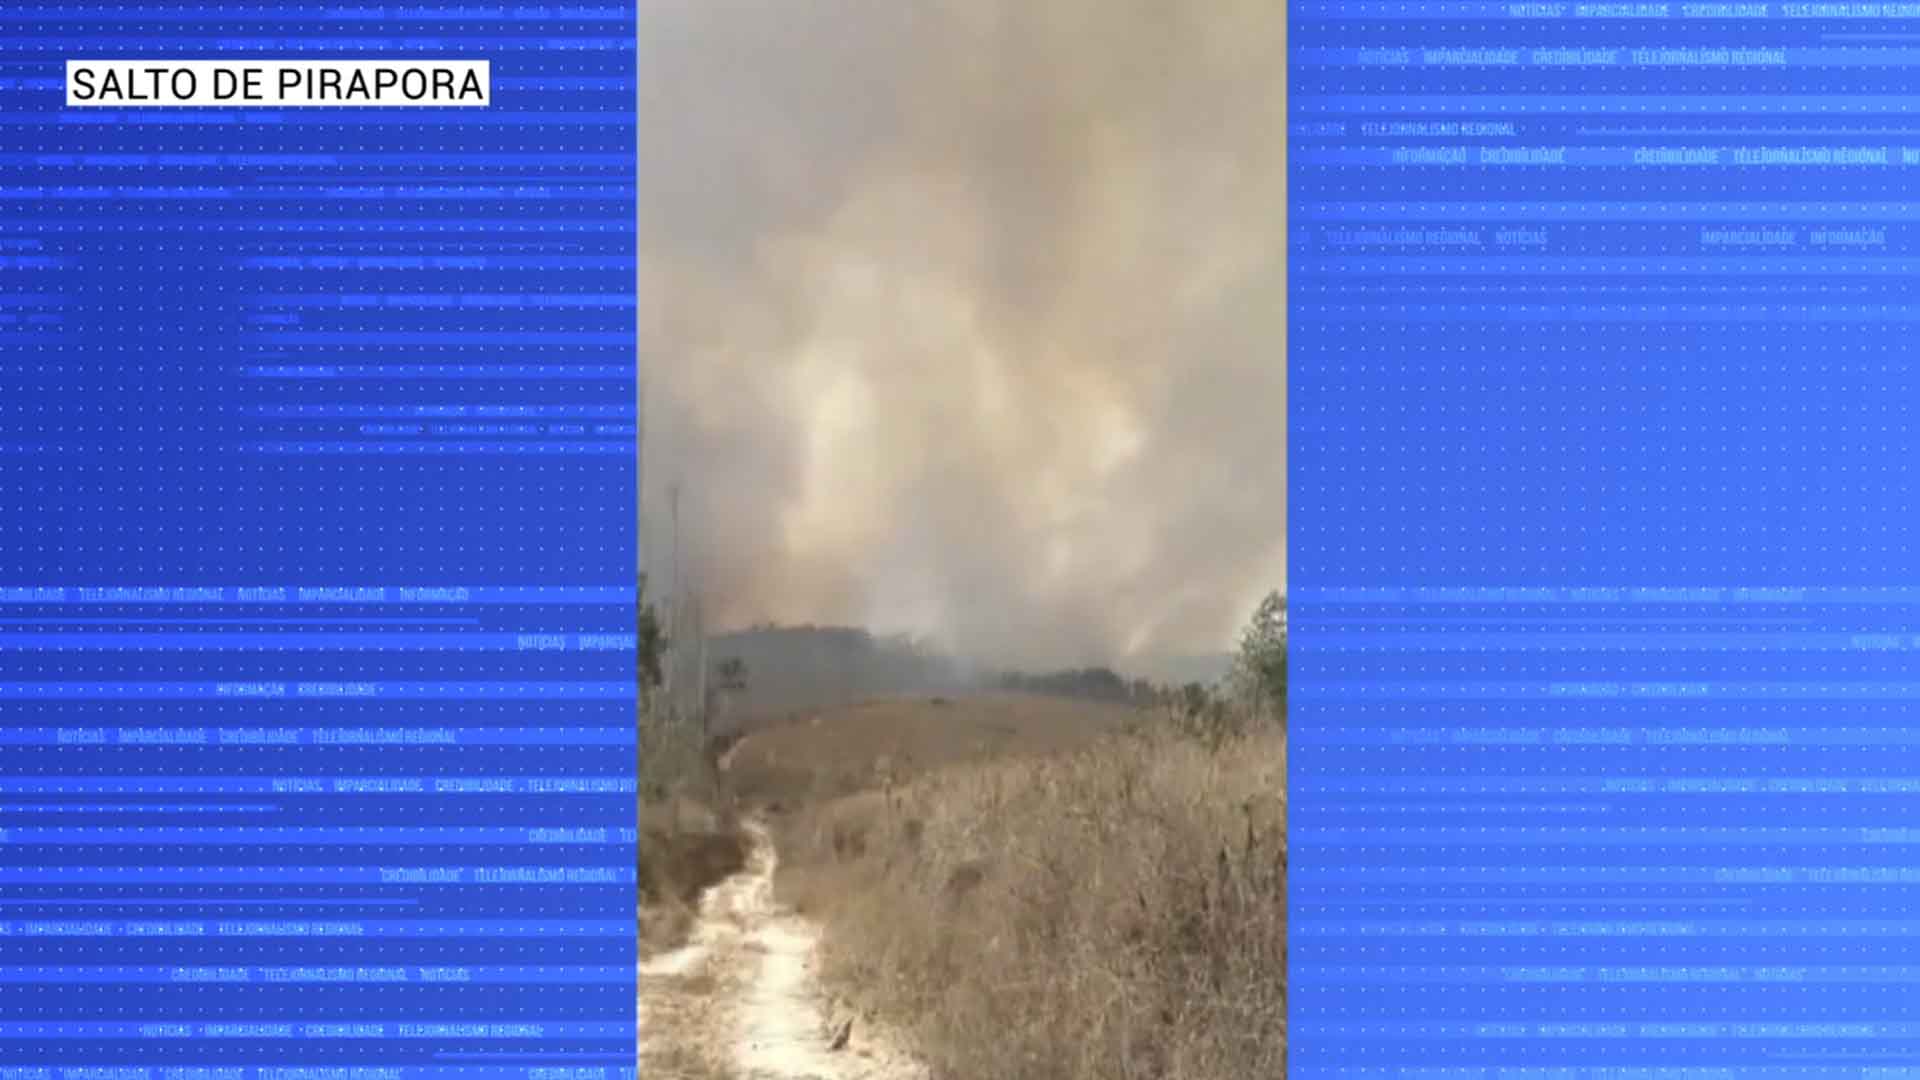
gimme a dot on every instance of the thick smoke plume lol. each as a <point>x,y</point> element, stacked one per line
<point>966,316</point>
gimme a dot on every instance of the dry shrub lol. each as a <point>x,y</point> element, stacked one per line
<point>676,759</point>
<point>690,836</point>
<point>684,848</point>
<point>1116,913</point>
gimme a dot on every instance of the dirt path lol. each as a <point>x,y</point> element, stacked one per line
<point>739,1002</point>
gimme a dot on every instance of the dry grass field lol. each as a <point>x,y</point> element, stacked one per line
<point>1039,889</point>
<point>825,753</point>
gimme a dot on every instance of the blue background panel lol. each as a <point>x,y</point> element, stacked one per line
<point>317,555</point>
<point>1605,565</point>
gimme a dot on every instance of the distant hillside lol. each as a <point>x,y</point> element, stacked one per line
<point>797,668</point>
<point>790,668</point>
<point>1092,684</point>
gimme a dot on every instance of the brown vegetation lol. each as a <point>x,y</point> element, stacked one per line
<point>684,848</point>
<point>1113,909</point>
<point>821,754</point>
<point>1034,887</point>
<point>690,836</point>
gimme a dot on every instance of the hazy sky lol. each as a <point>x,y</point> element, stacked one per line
<point>966,316</point>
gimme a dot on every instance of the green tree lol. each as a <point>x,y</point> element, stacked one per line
<point>1259,675</point>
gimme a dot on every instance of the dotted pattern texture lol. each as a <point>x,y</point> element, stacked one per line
<point>317,555</point>
<point>1604,551</point>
